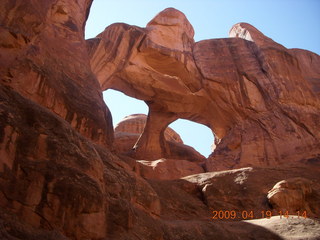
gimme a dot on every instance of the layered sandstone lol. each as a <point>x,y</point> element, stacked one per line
<point>128,131</point>
<point>255,95</point>
<point>59,178</point>
<point>181,161</point>
<point>38,62</point>
<point>292,195</point>
<point>253,189</point>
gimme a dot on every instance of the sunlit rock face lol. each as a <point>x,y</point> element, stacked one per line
<point>260,99</point>
<point>181,161</point>
<point>293,195</point>
<point>59,176</point>
<point>133,125</point>
<point>128,131</point>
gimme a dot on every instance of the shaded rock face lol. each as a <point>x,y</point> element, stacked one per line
<point>38,62</point>
<point>51,113</point>
<point>52,177</point>
<point>253,93</point>
<point>58,178</point>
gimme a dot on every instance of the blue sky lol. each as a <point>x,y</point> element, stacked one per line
<point>292,23</point>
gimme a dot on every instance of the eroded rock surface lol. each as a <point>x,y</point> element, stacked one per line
<point>128,131</point>
<point>181,161</point>
<point>167,169</point>
<point>59,178</point>
<point>248,189</point>
<point>40,64</point>
<point>253,93</point>
<point>292,195</point>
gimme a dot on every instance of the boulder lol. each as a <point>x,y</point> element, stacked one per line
<point>292,195</point>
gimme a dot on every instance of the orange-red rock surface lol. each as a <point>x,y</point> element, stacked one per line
<point>40,64</point>
<point>59,176</point>
<point>129,129</point>
<point>255,95</point>
<point>181,161</point>
<point>127,132</point>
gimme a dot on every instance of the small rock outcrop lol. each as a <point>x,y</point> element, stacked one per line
<point>292,195</point>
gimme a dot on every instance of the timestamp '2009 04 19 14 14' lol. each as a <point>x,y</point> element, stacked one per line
<point>243,215</point>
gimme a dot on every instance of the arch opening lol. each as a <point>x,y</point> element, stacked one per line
<point>121,105</point>
<point>196,135</point>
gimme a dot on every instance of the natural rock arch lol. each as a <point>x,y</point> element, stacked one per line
<point>251,91</point>
<point>129,130</point>
<point>59,179</point>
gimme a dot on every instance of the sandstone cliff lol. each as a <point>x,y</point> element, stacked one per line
<point>59,175</point>
<point>253,93</point>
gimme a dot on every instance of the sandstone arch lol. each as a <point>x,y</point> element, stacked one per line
<point>58,176</point>
<point>129,130</point>
<point>251,91</point>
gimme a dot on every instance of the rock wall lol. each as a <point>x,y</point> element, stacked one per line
<point>59,178</point>
<point>253,93</point>
<point>43,58</point>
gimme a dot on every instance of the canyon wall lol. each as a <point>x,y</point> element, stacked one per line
<point>60,177</point>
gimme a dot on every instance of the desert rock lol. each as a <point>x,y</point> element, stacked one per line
<point>248,189</point>
<point>187,161</point>
<point>39,64</point>
<point>250,90</point>
<point>291,195</point>
<point>60,177</point>
<point>291,228</point>
<point>129,130</point>
<point>167,169</point>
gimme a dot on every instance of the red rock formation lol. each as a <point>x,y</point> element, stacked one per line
<point>248,189</point>
<point>185,160</point>
<point>38,62</point>
<point>166,169</point>
<point>128,131</point>
<point>51,175</point>
<point>251,91</point>
<point>292,195</point>
<point>58,177</point>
